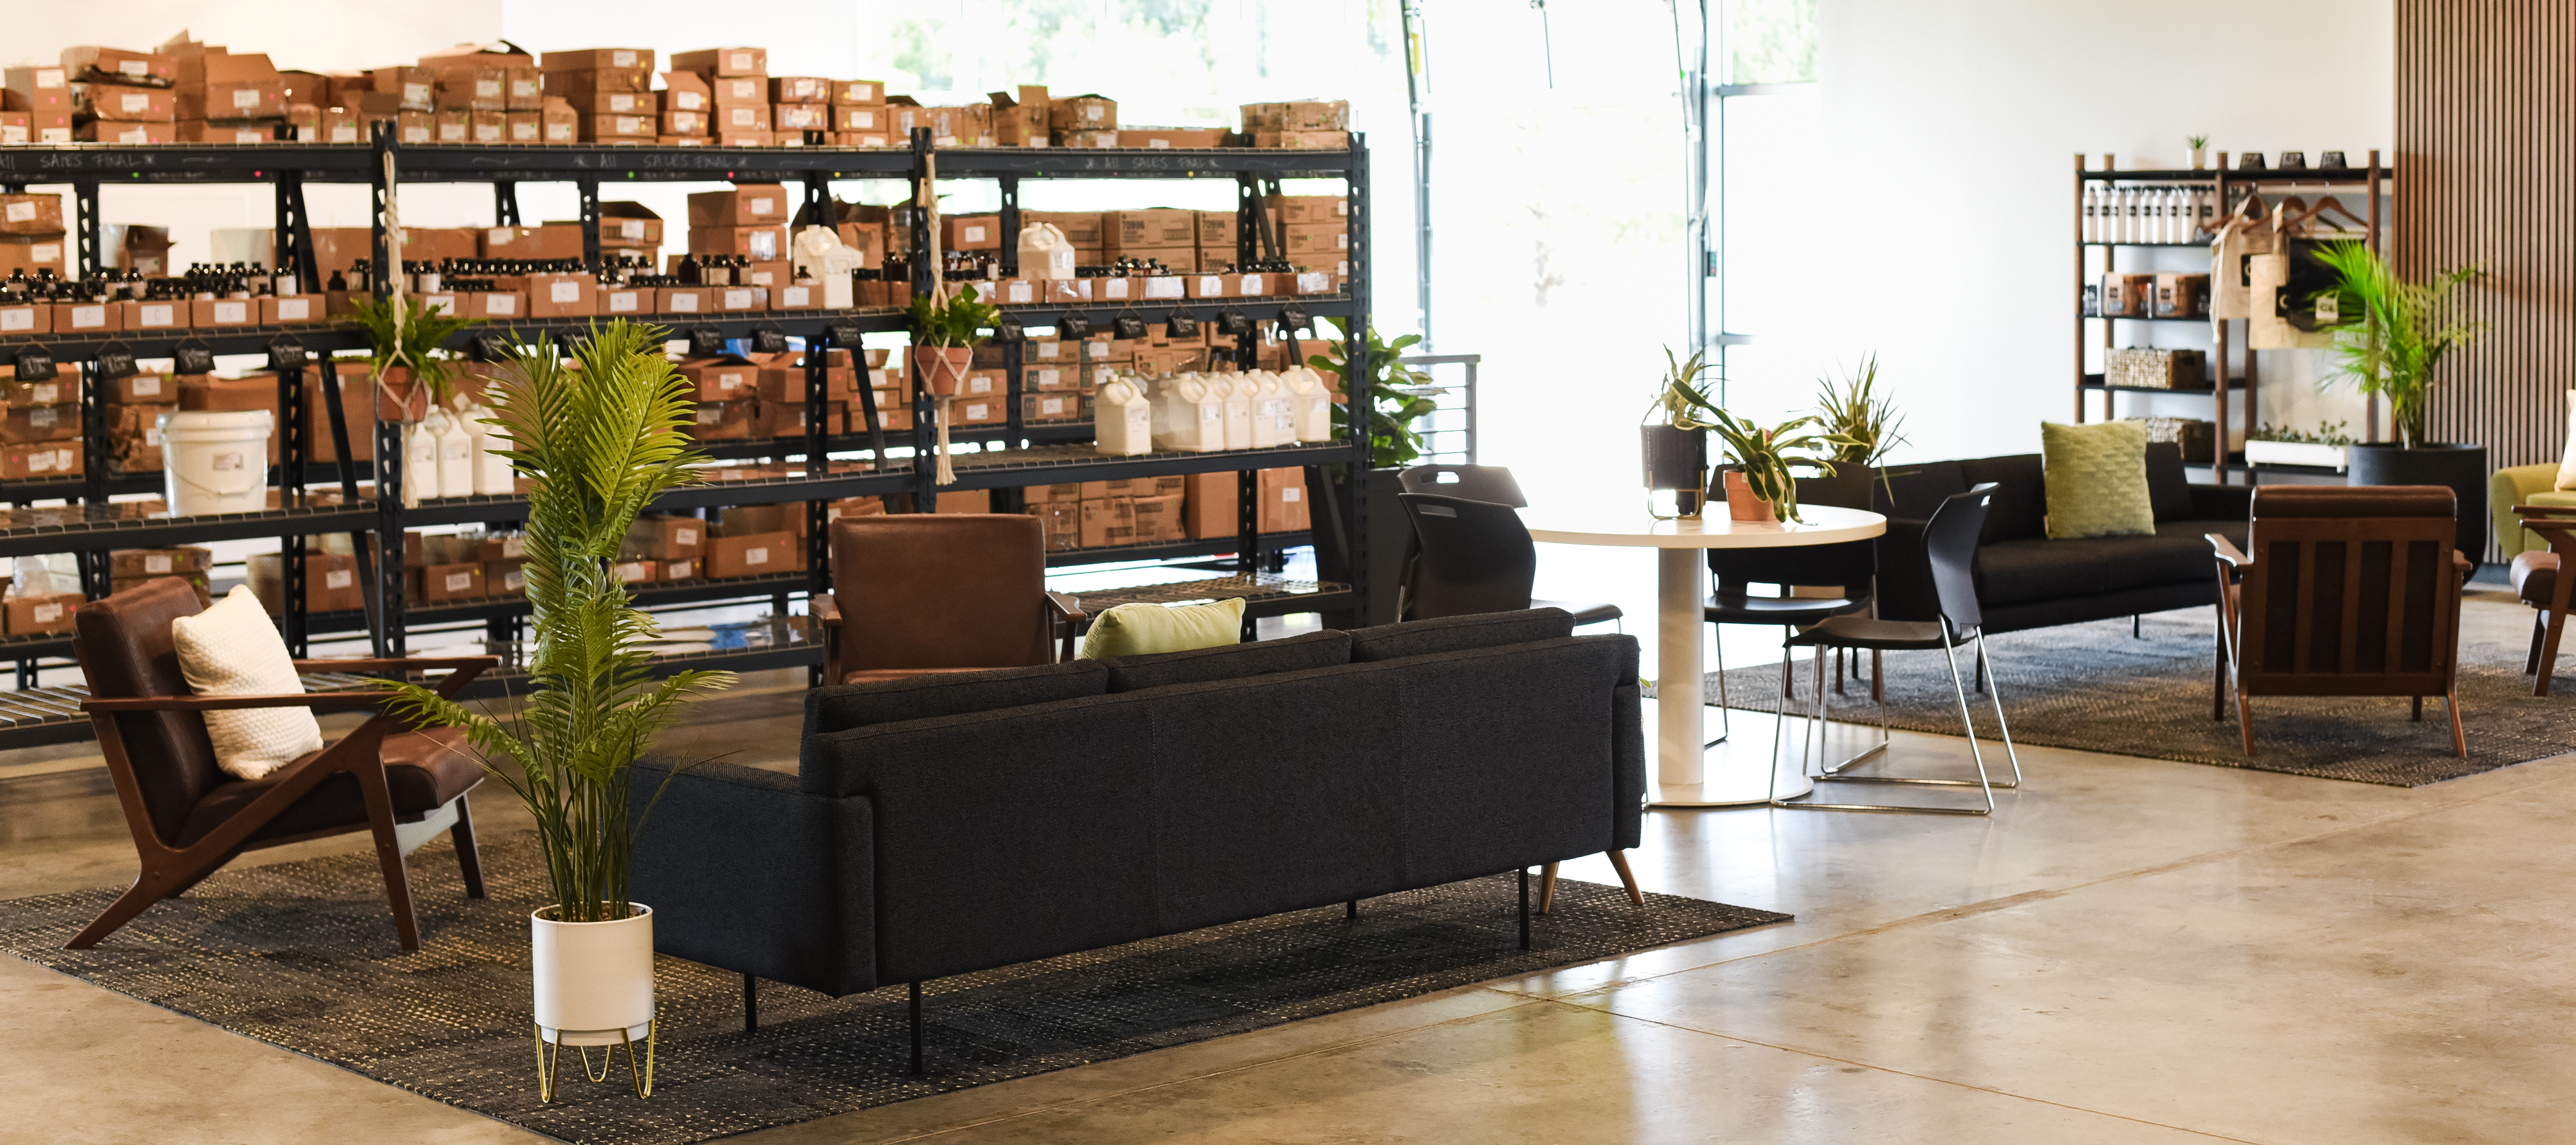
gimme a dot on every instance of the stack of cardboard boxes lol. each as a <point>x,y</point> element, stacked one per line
<point>224,97</point>
<point>1302,125</point>
<point>609,90</point>
<point>498,93</point>
<point>330,577</point>
<point>129,568</point>
<point>35,105</point>
<point>40,428</point>
<point>1161,510</point>
<point>859,116</point>
<point>737,84</point>
<point>120,96</point>
<point>31,240</point>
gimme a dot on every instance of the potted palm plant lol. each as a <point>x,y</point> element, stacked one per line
<point>1673,444</point>
<point>1853,409</point>
<point>1761,481</point>
<point>2390,339</point>
<point>597,442</point>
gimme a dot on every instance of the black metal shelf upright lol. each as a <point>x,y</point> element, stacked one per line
<point>1014,454</point>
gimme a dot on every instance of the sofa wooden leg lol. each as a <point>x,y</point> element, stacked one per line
<point>2549,652</point>
<point>2418,714</point>
<point>2459,740</point>
<point>750,1004</point>
<point>2245,721</point>
<point>1546,887</point>
<point>1627,878</point>
<point>2539,626</point>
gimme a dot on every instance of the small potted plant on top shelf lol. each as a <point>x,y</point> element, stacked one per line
<point>2199,151</point>
<point>1674,442</point>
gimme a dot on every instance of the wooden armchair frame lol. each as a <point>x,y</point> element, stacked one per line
<point>2242,612</point>
<point>1064,620</point>
<point>2557,525</point>
<point>169,871</point>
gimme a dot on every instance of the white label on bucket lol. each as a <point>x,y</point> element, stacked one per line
<point>156,562</point>
<point>459,582</point>
<point>18,318</point>
<point>22,212</point>
<point>225,462</point>
<point>294,309</point>
<point>500,303</point>
<point>565,291</point>
<point>146,385</point>
<point>621,301</point>
<point>758,556</point>
<point>230,313</point>
<point>85,317</point>
<point>338,578</point>
<point>154,314</point>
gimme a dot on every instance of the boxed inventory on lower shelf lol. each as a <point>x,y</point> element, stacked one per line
<point>1162,510</point>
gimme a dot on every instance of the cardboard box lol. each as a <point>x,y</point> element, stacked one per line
<point>800,89</point>
<point>506,579</point>
<point>452,582</point>
<point>330,582</point>
<point>1311,240</point>
<point>31,215</point>
<point>1284,506</point>
<point>34,318</point>
<point>558,122</point>
<point>23,424</point>
<point>526,90</point>
<point>562,84</point>
<point>723,61</point>
<point>1171,137</point>
<point>742,118</point>
<point>684,300</point>
<point>1155,230</point>
<point>724,421</point>
<point>491,305</point>
<point>1219,232</point>
<point>1107,521</point>
<point>1303,140</point>
<point>969,501</point>
<point>65,388</point>
<point>636,572</point>
<point>417,86</point>
<point>858,91</point>
<point>737,91</point>
<point>763,244</point>
<point>160,562</point>
<point>17,127</point>
<point>119,131</point>
<point>687,123</point>
<point>525,127</point>
<point>40,461</point>
<point>801,116</point>
<point>94,61</point>
<point>664,537</point>
<point>1020,119</point>
<point>37,88</point>
<point>612,127</point>
<point>201,131</point>
<point>755,520</point>
<point>1297,115</point>
<point>627,301</point>
<point>1214,501</point>
<point>614,102</point>
<point>624,225</point>
<point>747,205</point>
<point>209,312</point>
<point>686,91</point>
<point>973,232</point>
<point>1063,521</point>
<point>595,59</point>
<point>32,615</point>
<point>197,581</point>
<point>476,88</point>
<point>551,241</point>
<point>722,379</point>
<point>142,389</point>
<point>1082,113</point>
<point>562,295</point>
<point>994,410</point>
<point>87,318</point>
<point>1156,520</point>
<point>753,554</point>
<point>859,118</point>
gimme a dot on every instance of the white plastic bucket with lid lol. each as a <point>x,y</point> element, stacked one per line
<point>215,461</point>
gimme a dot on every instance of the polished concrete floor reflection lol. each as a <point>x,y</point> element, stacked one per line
<point>2129,951</point>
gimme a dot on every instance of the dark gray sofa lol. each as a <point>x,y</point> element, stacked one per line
<point>2024,579</point>
<point>948,824</point>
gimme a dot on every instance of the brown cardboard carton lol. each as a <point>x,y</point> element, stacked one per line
<point>524,126</point>
<point>1063,522</point>
<point>160,562</point>
<point>1284,507</point>
<point>1303,140</point>
<point>1314,240</point>
<point>452,582</point>
<point>1082,113</point>
<point>31,615</point>
<point>559,122</point>
<point>664,537</point>
<point>725,92</point>
<point>37,88</point>
<point>1299,210</point>
<point>476,88</point>
<point>287,311</point>
<point>722,379</point>
<point>742,118</point>
<point>563,84</point>
<point>858,91</point>
<point>493,305</point>
<point>637,572</point>
<point>142,389</point>
<point>526,89</point>
<point>968,501</point>
<point>746,139</point>
<point>34,318</point>
<point>40,461</point>
<point>754,520</point>
<point>685,568</point>
<point>24,424</point>
<point>90,61</point>
<point>800,89</point>
<point>1020,120</point>
<point>239,99</point>
<point>417,86</point>
<point>973,232</point>
<point>763,244</point>
<point>210,312</point>
<point>614,102</point>
<point>201,131</point>
<point>1213,502</point>
<point>1157,519</point>
<point>1297,115</point>
<point>1107,521</point>
<point>563,295</point>
<point>754,554</point>
<point>1218,231</point>
<point>1149,230</point>
<point>615,127</point>
<point>505,579</point>
<point>205,595</point>
<point>801,116</point>
<point>544,242</point>
<point>1170,137</point>
<point>596,59</point>
<point>684,300</point>
<point>747,205</point>
<point>862,118</point>
<point>723,421</point>
<point>330,582</point>
<point>686,91</point>
<point>723,61</point>
<point>687,123</point>
<point>116,131</point>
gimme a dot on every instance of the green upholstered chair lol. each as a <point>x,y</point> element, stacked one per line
<point>2523,485</point>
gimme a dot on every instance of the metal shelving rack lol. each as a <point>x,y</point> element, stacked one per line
<point>1012,455</point>
<point>2374,176</point>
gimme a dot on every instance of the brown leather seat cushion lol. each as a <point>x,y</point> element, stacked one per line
<point>873,675</point>
<point>422,770</point>
<point>2535,576</point>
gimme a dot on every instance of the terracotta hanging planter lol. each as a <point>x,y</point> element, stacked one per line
<point>942,369</point>
<point>1741,504</point>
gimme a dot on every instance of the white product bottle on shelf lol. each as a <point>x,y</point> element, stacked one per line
<point>1238,409</point>
<point>455,457</point>
<point>1310,404</point>
<point>2092,212</point>
<point>2115,223</point>
<point>493,476</point>
<point>1271,424</point>
<point>1122,418</point>
<point>2178,215</point>
<point>420,459</point>
<point>1187,418</point>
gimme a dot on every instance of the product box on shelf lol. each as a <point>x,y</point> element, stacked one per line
<point>162,315</point>
<point>972,232</point>
<point>855,92</point>
<point>1107,521</point>
<point>160,562</point>
<point>751,554</point>
<point>859,119</point>
<point>686,91</point>
<point>723,421</point>
<point>1307,240</point>
<point>614,128</point>
<point>36,461</point>
<point>562,84</point>
<point>330,582</point>
<point>969,501</point>
<point>596,59</point>
<point>686,124</point>
<point>1063,522</point>
<point>115,131</point>
<point>204,313</point>
<point>120,65</point>
<point>492,305</point>
<point>31,215</point>
<point>722,378</point>
<point>416,86</point>
<point>37,88</point>
<point>34,318</point>
<point>747,205</point>
<point>684,300</point>
<point>202,131</point>
<point>1090,112</point>
<point>87,318</point>
<point>1020,120</point>
<point>197,581</point>
<point>17,127</point>
<point>2181,295</point>
<point>1284,507</point>
<point>723,61</point>
<point>46,613</point>
<point>505,579</point>
<point>1169,137</point>
<point>443,582</point>
<point>563,295</point>
<point>2127,295</point>
<point>1149,230</point>
<point>1213,506</point>
<point>742,117</point>
<point>665,537</point>
<point>552,241</point>
<point>1307,210</point>
<point>472,88</point>
<point>1157,520</point>
<point>1302,140</point>
<point>1297,115</point>
<point>801,116</point>
<point>979,411</point>
<point>525,126</point>
<point>724,92</point>
<point>764,244</point>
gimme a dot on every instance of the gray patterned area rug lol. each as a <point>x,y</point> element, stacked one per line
<point>2092,686</point>
<point>302,955</point>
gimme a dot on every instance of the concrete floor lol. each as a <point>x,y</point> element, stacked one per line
<point>2129,951</point>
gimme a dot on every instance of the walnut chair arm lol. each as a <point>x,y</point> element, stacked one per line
<point>2228,554</point>
<point>2545,510</point>
<point>409,663</point>
<point>1064,616</point>
<point>229,703</point>
<point>825,610</point>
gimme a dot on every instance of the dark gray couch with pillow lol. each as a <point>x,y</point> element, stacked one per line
<point>947,824</point>
<point>2026,580</point>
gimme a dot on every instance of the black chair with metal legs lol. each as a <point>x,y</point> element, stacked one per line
<point>1485,560</point>
<point>1849,567</point>
<point>1950,547</point>
<point>1492,483</point>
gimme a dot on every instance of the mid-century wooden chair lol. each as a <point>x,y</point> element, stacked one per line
<point>2345,591</point>
<point>917,593</point>
<point>189,818</point>
<point>2536,581</point>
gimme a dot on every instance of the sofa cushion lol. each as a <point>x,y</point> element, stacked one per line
<point>2020,507</point>
<point>1142,629</point>
<point>1459,633</point>
<point>2097,480</point>
<point>2012,572</point>
<point>1911,492</point>
<point>1261,658</point>
<point>949,693</point>
<point>2168,486</point>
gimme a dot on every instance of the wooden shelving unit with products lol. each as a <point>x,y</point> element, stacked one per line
<point>2095,333</point>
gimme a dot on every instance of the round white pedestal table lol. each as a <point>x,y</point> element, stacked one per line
<point>1682,777</point>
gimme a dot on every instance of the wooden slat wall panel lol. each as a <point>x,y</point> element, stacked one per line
<point>2486,151</point>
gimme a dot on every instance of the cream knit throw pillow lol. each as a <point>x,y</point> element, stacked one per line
<point>232,649</point>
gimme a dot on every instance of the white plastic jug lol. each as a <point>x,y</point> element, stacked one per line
<point>1189,418</point>
<point>1271,424</point>
<point>456,458</point>
<point>819,253</point>
<point>1122,418</point>
<point>1310,405</point>
<point>1044,251</point>
<point>420,460</point>
<point>492,474</point>
<point>1238,397</point>
<point>215,461</point>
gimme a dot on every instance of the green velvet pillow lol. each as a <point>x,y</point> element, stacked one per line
<point>2097,479</point>
<point>1143,629</point>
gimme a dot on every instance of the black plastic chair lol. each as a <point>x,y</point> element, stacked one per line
<point>1474,482</point>
<point>1850,566</point>
<point>1476,556</point>
<point>1950,547</point>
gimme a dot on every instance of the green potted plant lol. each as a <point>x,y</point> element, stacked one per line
<point>407,353</point>
<point>1393,442</point>
<point>2390,339</point>
<point>596,444</point>
<point>1673,444</point>
<point>944,337</point>
<point>1853,409</point>
<point>2199,151</point>
<point>1396,403</point>
<point>1761,481</point>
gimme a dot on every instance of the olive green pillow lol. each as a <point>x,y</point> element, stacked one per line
<point>2097,479</point>
<point>1140,629</point>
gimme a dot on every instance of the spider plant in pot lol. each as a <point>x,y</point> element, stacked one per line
<point>2391,337</point>
<point>1761,482</point>
<point>1673,444</point>
<point>415,380</point>
<point>597,442</point>
<point>944,337</point>
<point>1854,409</point>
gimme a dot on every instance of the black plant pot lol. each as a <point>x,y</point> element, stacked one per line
<point>1676,459</point>
<point>2461,467</point>
<point>1848,488</point>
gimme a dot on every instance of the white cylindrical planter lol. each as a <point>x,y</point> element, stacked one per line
<point>215,461</point>
<point>594,980</point>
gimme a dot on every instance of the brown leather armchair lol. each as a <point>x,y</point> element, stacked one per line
<point>2536,581</point>
<point>918,593</point>
<point>189,818</point>
<point>2342,591</point>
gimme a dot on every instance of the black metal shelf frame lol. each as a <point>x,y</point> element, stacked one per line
<point>1014,454</point>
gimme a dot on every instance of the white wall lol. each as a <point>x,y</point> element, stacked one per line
<point>1967,113</point>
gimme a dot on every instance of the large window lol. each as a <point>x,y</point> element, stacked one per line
<point>1763,130</point>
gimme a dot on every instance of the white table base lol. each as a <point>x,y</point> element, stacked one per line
<point>1682,776</point>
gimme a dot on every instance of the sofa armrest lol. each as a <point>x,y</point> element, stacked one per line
<point>746,873</point>
<point>1905,573</point>
<point>2222,502</point>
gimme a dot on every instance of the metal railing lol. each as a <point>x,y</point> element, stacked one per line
<point>1449,430</point>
